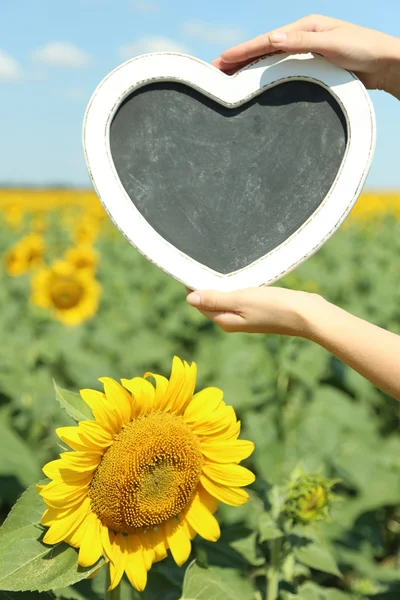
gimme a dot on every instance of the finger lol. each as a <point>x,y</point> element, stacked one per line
<point>209,300</point>
<point>228,69</point>
<point>228,321</point>
<point>305,41</point>
<point>223,66</point>
<point>261,44</point>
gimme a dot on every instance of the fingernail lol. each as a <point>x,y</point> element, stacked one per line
<point>277,37</point>
<point>194,299</point>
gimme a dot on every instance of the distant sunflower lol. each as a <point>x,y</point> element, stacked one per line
<point>71,294</point>
<point>86,230</point>
<point>25,255</point>
<point>147,474</point>
<point>82,256</point>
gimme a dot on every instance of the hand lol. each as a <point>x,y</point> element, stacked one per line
<point>257,310</point>
<point>370,350</point>
<point>372,55</point>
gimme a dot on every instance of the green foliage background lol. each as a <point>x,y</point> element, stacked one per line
<point>296,402</point>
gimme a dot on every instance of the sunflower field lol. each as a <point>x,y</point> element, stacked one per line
<point>288,488</point>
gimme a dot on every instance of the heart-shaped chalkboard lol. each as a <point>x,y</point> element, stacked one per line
<point>229,182</point>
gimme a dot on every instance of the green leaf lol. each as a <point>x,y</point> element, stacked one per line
<point>157,587</point>
<point>312,591</point>
<point>236,548</point>
<point>26,564</point>
<point>214,583</point>
<point>25,596</point>
<point>17,458</point>
<point>317,557</point>
<point>268,528</point>
<point>73,404</point>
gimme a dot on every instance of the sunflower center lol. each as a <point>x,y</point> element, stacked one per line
<point>33,255</point>
<point>66,293</point>
<point>148,475</point>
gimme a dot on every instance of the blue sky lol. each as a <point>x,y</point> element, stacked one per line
<point>53,53</point>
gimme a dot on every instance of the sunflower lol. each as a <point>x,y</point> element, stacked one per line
<point>25,255</point>
<point>82,256</point>
<point>71,294</point>
<point>308,498</point>
<point>147,474</point>
<point>86,230</point>
<point>14,215</point>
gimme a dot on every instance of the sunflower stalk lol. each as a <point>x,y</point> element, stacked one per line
<point>274,569</point>
<point>282,386</point>
<point>114,594</point>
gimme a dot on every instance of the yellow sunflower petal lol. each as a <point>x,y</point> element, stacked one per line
<point>73,437</point>
<point>147,550</point>
<point>74,538</point>
<point>231,432</point>
<point>200,516</point>
<point>186,392</point>
<point>91,547</point>
<point>105,541</point>
<point>118,560</point>
<point>52,514</point>
<point>234,496</point>
<point>52,469</point>
<point>202,404</point>
<point>227,451</point>
<point>135,568</point>
<point>175,383</point>
<point>119,398</point>
<point>101,409</point>
<point>222,418</point>
<point>161,389</point>
<point>81,462</point>
<point>178,541</point>
<point>58,470</point>
<point>157,541</point>
<point>143,394</point>
<point>63,496</point>
<point>228,474</point>
<point>95,434</point>
<point>62,527</point>
<point>190,531</point>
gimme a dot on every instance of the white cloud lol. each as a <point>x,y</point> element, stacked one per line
<point>149,44</point>
<point>62,54</point>
<point>145,6</point>
<point>9,68</point>
<point>214,34</point>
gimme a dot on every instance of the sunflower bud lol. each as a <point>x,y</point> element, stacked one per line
<point>308,498</point>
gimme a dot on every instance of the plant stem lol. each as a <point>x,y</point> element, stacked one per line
<point>274,569</point>
<point>112,594</point>
<point>282,385</point>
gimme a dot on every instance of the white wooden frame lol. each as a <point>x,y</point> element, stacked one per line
<point>230,91</point>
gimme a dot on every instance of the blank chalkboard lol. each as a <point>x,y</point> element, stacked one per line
<point>226,186</point>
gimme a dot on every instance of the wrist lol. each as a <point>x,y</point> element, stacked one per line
<point>390,81</point>
<point>310,312</point>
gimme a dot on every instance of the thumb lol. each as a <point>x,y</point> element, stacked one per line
<point>213,301</point>
<point>301,41</point>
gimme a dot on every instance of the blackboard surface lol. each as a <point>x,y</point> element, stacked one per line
<point>226,186</point>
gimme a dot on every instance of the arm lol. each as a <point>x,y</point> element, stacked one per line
<point>368,349</point>
<point>371,351</point>
<point>392,83</point>
<point>372,55</point>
